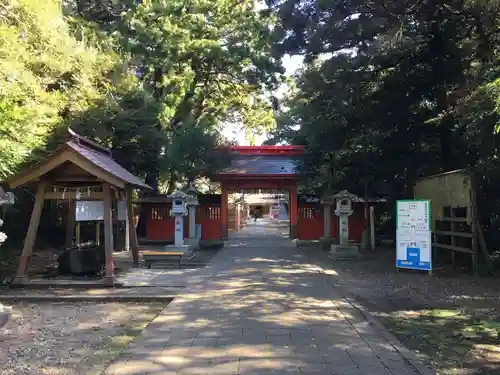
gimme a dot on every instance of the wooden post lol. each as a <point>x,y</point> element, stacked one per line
<point>293,207</point>
<point>477,232</point>
<point>327,209</point>
<point>372,227</point>
<point>98,232</point>
<point>131,231</point>
<point>29,242</point>
<point>224,214</point>
<point>108,232</point>
<point>473,227</point>
<point>126,232</point>
<point>77,234</point>
<point>70,223</point>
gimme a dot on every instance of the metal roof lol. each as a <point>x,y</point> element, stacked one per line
<point>105,162</point>
<point>261,165</point>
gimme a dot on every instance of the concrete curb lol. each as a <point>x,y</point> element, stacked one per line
<point>86,298</point>
<point>411,358</point>
<point>79,286</point>
<point>398,345</point>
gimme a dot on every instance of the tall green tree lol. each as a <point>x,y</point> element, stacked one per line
<point>387,87</point>
<point>44,74</point>
<point>208,63</point>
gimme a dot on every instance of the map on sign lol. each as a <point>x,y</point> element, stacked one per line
<point>413,235</point>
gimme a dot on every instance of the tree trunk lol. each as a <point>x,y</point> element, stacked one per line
<point>152,180</point>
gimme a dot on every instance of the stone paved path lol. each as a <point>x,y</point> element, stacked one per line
<point>260,309</point>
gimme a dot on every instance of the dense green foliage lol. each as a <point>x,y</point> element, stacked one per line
<point>398,88</point>
<point>131,76</point>
<point>155,81</point>
<point>393,90</point>
<point>390,91</point>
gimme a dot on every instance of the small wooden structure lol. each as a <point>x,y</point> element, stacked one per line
<point>454,217</point>
<point>82,169</point>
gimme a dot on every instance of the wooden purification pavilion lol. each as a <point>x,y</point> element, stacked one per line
<point>80,169</point>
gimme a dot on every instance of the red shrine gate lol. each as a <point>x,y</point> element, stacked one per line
<point>261,167</point>
<point>252,167</point>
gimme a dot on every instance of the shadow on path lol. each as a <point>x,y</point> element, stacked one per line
<point>260,309</point>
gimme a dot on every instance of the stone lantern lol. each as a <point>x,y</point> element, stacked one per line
<point>343,209</point>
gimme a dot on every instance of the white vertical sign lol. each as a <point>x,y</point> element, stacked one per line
<point>413,234</point>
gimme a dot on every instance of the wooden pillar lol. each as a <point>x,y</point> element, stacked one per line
<point>70,223</point>
<point>224,214</point>
<point>121,234</point>
<point>77,234</point>
<point>29,242</point>
<point>294,209</point>
<point>327,209</point>
<point>98,232</point>
<point>372,227</point>
<point>237,217</point>
<point>108,232</point>
<point>131,231</point>
<point>126,246</point>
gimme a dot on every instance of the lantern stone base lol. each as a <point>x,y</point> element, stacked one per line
<point>194,243</point>
<point>304,243</point>
<point>344,252</point>
<point>325,243</point>
<point>186,249</point>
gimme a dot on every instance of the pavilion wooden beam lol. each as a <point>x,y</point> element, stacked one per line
<point>75,179</point>
<point>29,242</point>
<point>71,195</point>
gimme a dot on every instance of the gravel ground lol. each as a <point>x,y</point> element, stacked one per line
<point>67,339</point>
<point>450,319</point>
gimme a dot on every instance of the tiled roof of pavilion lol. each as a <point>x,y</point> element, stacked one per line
<point>86,154</point>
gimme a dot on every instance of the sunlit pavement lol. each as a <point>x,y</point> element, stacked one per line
<point>261,309</point>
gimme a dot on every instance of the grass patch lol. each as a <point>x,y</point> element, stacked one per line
<point>129,332</point>
<point>447,338</point>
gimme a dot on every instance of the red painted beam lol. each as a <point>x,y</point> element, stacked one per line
<point>220,177</point>
<point>268,150</point>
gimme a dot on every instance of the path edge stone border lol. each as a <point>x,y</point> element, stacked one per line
<point>398,345</point>
<point>87,298</point>
<point>412,359</point>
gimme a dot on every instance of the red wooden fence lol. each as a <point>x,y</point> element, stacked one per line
<point>160,225</point>
<point>310,222</point>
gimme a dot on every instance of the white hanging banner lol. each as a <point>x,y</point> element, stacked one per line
<point>89,210</point>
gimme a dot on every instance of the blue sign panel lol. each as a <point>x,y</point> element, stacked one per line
<point>413,260</point>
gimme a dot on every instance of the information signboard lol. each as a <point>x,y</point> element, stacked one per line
<point>89,210</point>
<point>94,211</point>
<point>413,234</point>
